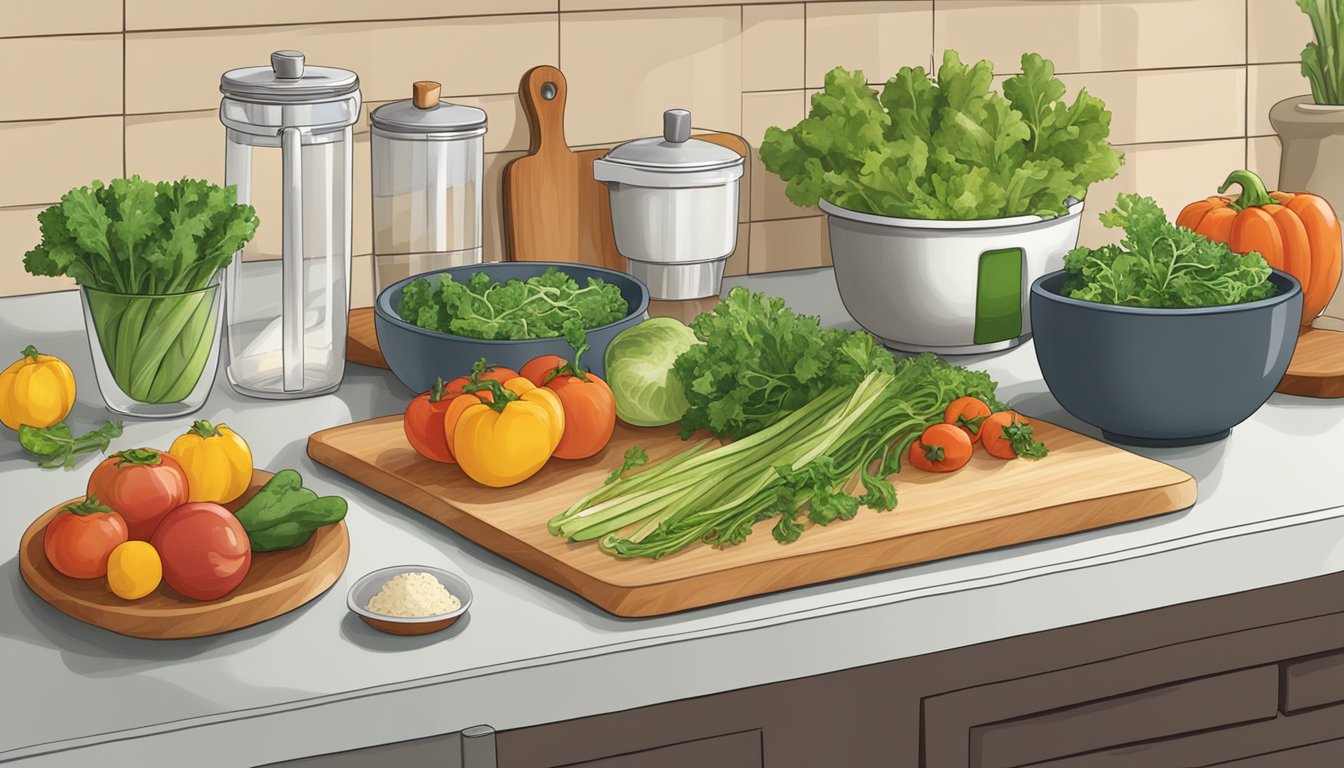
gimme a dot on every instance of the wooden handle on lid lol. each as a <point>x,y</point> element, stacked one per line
<point>426,94</point>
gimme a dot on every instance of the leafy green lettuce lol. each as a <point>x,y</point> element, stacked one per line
<point>481,308</point>
<point>953,150</point>
<point>132,236</point>
<point>1160,265</point>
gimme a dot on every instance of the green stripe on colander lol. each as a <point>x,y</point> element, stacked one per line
<point>998,296</point>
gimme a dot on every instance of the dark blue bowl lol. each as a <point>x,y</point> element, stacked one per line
<point>417,356</point>
<point>1163,377</point>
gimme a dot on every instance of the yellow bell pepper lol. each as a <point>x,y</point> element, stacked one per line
<point>38,390</point>
<point>218,462</point>
<point>504,441</point>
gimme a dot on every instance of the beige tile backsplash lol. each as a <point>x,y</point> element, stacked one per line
<point>99,95</point>
<point>1094,35</point>
<point>20,18</point>
<point>876,37</point>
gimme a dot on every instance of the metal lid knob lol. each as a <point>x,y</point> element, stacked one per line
<point>288,65</point>
<point>676,126</point>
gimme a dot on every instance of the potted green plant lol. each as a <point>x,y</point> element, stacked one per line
<point>1311,126</point>
<point>147,258</point>
<point>946,199</point>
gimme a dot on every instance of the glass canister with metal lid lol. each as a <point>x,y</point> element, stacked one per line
<point>428,160</point>
<point>289,151</point>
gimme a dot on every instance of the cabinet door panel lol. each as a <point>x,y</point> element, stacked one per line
<point>1218,746</point>
<point>1328,754</point>
<point>1236,697</point>
<point>951,719</point>
<point>734,750</point>
<point>1313,682</point>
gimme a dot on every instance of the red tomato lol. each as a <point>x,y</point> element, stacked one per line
<point>454,387</point>
<point>81,537</point>
<point>204,549</point>
<point>142,485</point>
<point>968,413</point>
<point>538,368</point>
<point>590,415</point>
<point>423,424</point>
<point>942,448</point>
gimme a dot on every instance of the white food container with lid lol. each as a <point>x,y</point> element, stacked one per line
<point>428,159</point>
<point>287,303</point>
<point>674,203</point>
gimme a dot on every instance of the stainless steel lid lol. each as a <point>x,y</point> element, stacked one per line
<point>675,150</point>
<point>425,113</point>
<point>674,160</point>
<point>288,81</point>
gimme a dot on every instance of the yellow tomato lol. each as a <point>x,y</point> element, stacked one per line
<point>505,441</point>
<point>134,570</point>
<point>217,461</point>
<point>38,390</point>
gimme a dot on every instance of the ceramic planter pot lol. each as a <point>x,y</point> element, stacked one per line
<point>949,287</point>
<point>1312,160</point>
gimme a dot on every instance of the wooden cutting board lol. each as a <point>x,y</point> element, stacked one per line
<point>1317,367</point>
<point>276,583</point>
<point>554,210</point>
<point>1082,484</point>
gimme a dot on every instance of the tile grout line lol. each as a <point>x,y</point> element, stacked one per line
<point>125,162</point>
<point>1246,108</point>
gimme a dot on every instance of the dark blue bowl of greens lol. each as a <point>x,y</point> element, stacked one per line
<point>1163,377</point>
<point>439,323</point>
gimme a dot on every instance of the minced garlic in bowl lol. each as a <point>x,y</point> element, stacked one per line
<point>413,596</point>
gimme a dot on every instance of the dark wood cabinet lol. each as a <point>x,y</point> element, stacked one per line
<point>1252,680</point>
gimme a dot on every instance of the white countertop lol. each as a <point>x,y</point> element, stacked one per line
<point>317,680</point>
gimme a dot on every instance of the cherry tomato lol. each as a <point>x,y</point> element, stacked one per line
<point>942,448</point>
<point>142,485</point>
<point>968,413</point>
<point>1008,435</point>
<point>80,538</point>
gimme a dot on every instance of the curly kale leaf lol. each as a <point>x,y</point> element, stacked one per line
<point>1161,265</point>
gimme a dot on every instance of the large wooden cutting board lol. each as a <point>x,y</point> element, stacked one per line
<point>1082,484</point>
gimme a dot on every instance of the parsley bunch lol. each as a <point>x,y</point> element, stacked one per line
<point>953,150</point>
<point>482,308</point>
<point>1162,266</point>
<point>760,362</point>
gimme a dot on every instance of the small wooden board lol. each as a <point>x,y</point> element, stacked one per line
<point>1317,368</point>
<point>276,583</point>
<point>361,342</point>
<point>1082,484</point>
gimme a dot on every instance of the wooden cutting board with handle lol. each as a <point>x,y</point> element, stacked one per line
<point>1083,484</point>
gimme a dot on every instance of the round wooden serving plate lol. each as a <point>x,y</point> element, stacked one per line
<point>276,583</point>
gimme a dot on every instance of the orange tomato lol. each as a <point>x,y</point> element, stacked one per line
<point>941,448</point>
<point>968,413</point>
<point>1007,435</point>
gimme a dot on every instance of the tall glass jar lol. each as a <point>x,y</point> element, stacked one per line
<point>428,157</point>
<point>287,295</point>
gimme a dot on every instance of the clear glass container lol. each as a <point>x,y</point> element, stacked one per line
<point>289,151</point>
<point>428,160</point>
<point>154,356</point>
